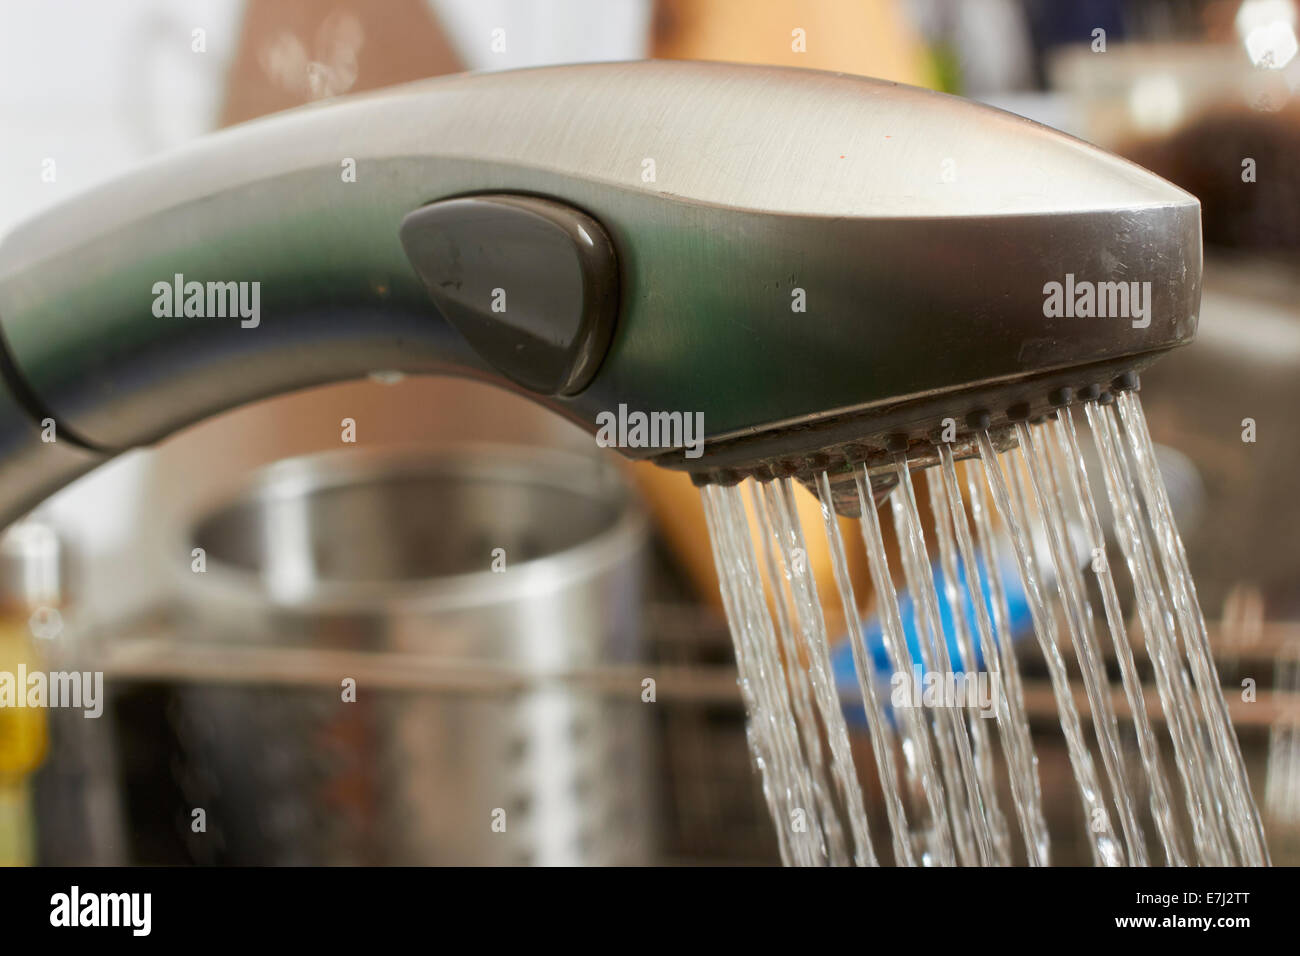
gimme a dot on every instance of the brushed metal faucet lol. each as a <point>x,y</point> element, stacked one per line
<point>821,265</point>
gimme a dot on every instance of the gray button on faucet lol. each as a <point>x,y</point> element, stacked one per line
<point>531,283</point>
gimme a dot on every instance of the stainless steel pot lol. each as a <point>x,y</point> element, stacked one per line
<point>477,734</point>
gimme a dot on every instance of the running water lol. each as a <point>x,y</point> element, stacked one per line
<point>1024,771</point>
<point>1072,471</point>
<point>1248,829</point>
<point>956,600</point>
<point>916,737</point>
<point>1012,724</point>
<point>941,799</point>
<point>882,731</point>
<point>967,802</point>
<point>779,500</point>
<point>1079,622</point>
<point>774,744</point>
<point>798,681</point>
<point>1181,713</point>
<point>1105,849</point>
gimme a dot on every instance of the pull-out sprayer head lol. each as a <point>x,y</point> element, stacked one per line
<point>814,266</point>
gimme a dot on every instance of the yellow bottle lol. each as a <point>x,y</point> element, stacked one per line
<point>23,742</point>
<point>28,582</point>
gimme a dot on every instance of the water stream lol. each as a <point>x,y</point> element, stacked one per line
<point>939,767</point>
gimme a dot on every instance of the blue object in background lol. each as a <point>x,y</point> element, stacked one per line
<point>873,632</point>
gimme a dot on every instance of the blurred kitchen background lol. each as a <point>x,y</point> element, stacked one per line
<point>587,690</point>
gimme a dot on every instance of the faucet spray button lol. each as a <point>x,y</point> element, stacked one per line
<point>532,284</point>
